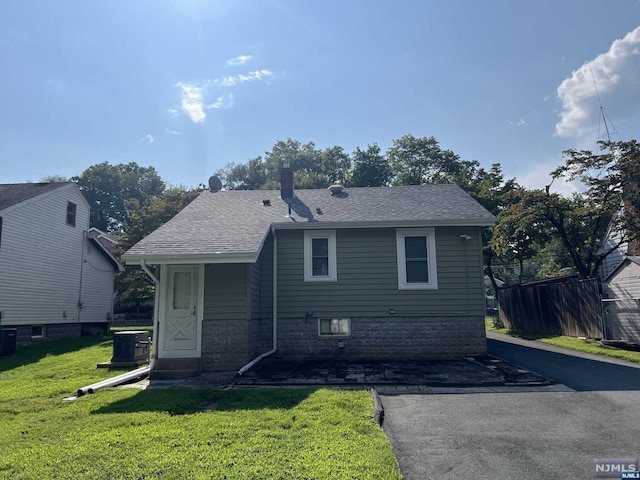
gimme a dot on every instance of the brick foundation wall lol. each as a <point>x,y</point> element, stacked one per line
<point>380,337</point>
<point>51,332</point>
<point>228,345</point>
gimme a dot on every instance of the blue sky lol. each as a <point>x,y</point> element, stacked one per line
<point>188,86</point>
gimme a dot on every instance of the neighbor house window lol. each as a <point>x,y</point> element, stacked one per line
<point>37,331</point>
<point>332,327</point>
<point>320,256</point>
<point>416,249</point>
<point>71,214</point>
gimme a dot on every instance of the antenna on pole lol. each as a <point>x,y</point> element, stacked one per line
<point>603,114</point>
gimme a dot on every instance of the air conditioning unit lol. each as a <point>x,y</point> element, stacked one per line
<point>131,346</point>
<point>8,341</point>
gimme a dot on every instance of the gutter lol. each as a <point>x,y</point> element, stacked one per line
<point>156,326</point>
<point>274,308</point>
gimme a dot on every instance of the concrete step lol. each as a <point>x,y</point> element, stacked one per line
<point>173,368</point>
<point>172,374</point>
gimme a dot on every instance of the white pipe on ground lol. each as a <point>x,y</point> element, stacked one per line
<point>275,308</point>
<point>113,381</point>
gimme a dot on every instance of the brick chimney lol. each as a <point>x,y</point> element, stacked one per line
<point>286,181</point>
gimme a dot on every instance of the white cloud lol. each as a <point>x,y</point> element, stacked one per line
<point>617,76</point>
<point>250,77</point>
<point>193,94</point>
<point>172,132</point>
<point>174,112</point>
<point>239,60</point>
<point>192,102</point>
<point>148,139</point>
<point>223,101</point>
<point>519,123</point>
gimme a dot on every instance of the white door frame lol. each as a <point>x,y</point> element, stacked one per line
<point>163,298</point>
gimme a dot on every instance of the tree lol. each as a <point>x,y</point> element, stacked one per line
<point>519,233</point>
<point>314,168</point>
<point>245,176</point>
<point>133,286</point>
<point>54,179</point>
<point>108,187</point>
<point>370,168</point>
<point>153,211</point>
<point>613,183</point>
<point>416,161</point>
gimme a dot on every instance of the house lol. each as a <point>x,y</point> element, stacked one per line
<point>620,276</point>
<point>622,301</point>
<point>389,272</point>
<point>56,274</point>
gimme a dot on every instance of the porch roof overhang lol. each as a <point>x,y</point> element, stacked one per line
<point>191,258</point>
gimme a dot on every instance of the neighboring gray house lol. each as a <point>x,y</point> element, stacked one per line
<point>56,277</point>
<point>620,274</point>
<point>621,290</point>
<point>389,272</point>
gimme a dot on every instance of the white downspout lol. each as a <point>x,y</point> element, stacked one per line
<point>156,327</point>
<point>274,308</point>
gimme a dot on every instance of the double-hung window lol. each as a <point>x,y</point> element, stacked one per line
<point>71,214</point>
<point>320,256</point>
<point>416,249</point>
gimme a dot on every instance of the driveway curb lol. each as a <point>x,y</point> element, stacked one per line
<point>378,409</point>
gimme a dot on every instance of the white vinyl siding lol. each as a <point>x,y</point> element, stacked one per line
<point>97,285</point>
<point>41,259</point>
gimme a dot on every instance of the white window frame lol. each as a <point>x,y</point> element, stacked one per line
<point>344,321</point>
<point>432,267</point>
<point>42,331</point>
<point>309,235</point>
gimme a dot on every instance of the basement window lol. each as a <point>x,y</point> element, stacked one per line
<point>334,327</point>
<point>37,331</point>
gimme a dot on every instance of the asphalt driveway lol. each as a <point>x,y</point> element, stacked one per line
<point>515,433</point>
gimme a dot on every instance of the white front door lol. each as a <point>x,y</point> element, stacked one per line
<point>181,319</point>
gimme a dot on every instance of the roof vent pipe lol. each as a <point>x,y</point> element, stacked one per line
<point>336,189</point>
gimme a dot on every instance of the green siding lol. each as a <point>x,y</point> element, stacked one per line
<point>266,293</point>
<point>226,292</point>
<point>368,277</point>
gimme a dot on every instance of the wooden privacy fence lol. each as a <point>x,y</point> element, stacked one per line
<point>571,308</point>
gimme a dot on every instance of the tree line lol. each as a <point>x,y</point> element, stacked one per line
<point>538,234</point>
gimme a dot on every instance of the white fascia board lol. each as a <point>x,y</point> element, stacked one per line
<point>399,224</point>
<point>191,259</point>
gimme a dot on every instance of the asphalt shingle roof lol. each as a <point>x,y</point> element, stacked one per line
<point>13,193</point>
<point>237,221</point>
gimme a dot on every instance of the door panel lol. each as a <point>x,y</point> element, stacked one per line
<point>180,331</point>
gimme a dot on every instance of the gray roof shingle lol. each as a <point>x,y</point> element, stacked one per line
<point>14,193</point>
<point>236,222</point>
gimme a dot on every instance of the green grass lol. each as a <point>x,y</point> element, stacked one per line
<point>572,343</point>
<point>168,433</point>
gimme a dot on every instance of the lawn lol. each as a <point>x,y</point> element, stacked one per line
<point>176,433</point>
<point>572,343</point>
